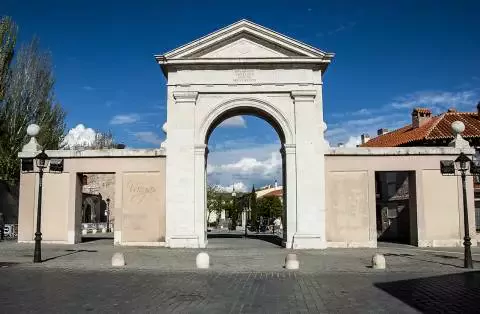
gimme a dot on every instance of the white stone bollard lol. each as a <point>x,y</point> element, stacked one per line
<point>203,260</point>
<point>84,231</point>
<point>104,230</point>
<point>118,260</point>
<point>291,261</point>
<point>94,231</point>
<point>378,261</point>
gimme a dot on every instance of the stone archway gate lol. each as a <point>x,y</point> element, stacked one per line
<point>245,68</point>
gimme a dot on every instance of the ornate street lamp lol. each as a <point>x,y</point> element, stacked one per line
<point>42,160</point>
<point>463,166</point>
<point>234,208</point>
<point>108,215</point>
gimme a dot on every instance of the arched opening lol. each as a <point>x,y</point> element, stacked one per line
<point>245,179</point>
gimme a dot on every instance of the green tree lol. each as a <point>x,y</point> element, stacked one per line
<point>270,206</point>
<point>29,98</point>
<point>215,201</point>
<point>235,208</point>
<point>253,209</point>
<point>8,38</point>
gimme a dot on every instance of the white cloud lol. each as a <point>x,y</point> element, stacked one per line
<point>125,119</point>
<point>88,88</point>
<point>362,112</point>
<point>79,135</point>
<point>366,122</point>
<point>257,164</point>
<point>235,122</point>
<point>239,187</point>
<point>148,137</point>
<point>353,141</point>
<point>249,165</point>
<point>435,99</point>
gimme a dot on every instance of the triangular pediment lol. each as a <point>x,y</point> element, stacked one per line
<point>242,48</point>
<point>245,40</point>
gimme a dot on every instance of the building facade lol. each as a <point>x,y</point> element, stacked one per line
<point>427,130</point>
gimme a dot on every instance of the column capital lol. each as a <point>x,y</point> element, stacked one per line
<point>288,149</point>
<point>303,95</point>
<point>201,149</point>
<point>185,96</point>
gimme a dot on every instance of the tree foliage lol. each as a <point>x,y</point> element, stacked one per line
<point>215,201</point>
<point>8,38</point>
<point>269,206</point>
<point>28,98</point>
<point>253,208</point>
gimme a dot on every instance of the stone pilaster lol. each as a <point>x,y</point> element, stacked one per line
<point>310,171</point>
<point>180,184</point>
<point>288,152</point>
<point>200,196</point>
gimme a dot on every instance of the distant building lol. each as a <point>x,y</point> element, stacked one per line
<point>428,130</point>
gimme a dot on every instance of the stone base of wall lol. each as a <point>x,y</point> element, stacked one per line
<point>157,244</point>
<point>352,244</point>
<point>444,243</point>
<point>185,241</point>
<point>307,241</point>
<point>45,242</point>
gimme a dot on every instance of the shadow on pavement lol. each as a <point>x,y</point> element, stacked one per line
<point>271,238</point>
<point>70,252</point>
<point>91,239</point>
<point>7,264</point>
<point>453,293</point>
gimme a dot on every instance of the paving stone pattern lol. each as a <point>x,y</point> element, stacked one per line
<point>50,291</point>
<point>245,277</point>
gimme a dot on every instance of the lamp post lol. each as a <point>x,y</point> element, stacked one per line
<point>108,214</point>
<point>42,161</point>
<point>462,166</point>
<point>234,208</point>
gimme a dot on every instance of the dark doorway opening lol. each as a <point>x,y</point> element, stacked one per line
<point>396,207</point>
<point>97,218</point>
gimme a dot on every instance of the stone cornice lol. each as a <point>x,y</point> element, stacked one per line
<point>101,153</point>
<point>201,149</point>
<point>397,151</point>
<point>303,95</point>
<point>288,149</point>
<point>187,96</point>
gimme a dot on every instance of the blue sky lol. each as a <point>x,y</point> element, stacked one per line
<point>390,57</point>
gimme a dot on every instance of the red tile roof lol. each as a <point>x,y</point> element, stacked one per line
<point>422,110</point>
<point>278,193</point>
<point>436,128</point>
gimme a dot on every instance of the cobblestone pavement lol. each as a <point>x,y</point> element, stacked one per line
<point>123,291</point>
<point>246,276</point>
<point>237,254</point>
